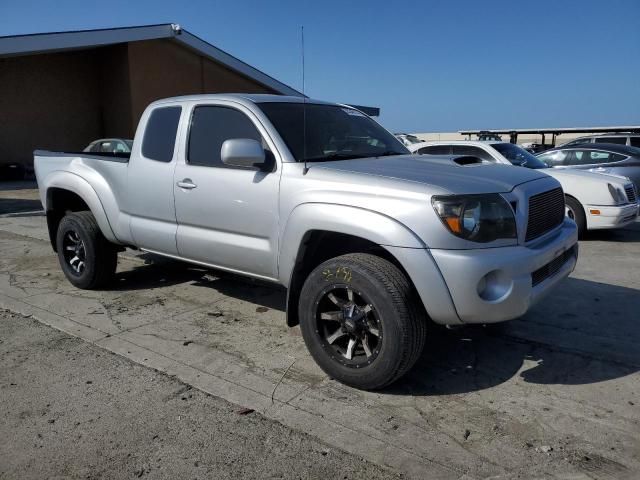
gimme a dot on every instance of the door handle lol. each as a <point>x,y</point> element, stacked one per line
<point>186,184</point>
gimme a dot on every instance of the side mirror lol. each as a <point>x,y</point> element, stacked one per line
<point>243,152</point>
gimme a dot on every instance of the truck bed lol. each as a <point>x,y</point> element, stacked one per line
<point>121,157</point>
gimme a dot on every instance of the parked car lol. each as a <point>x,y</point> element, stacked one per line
<point>600,158</point>
<point>110,145</point>
<point>407,139</point>
<point>370,241</point>
<point>630,139</point>
<point>593,200</point>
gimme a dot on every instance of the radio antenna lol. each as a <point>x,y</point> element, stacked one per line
<point>304,108</point>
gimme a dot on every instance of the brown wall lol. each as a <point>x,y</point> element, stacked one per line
<point>161,68</point>
<point>63,101</point>
<point>47,101</point>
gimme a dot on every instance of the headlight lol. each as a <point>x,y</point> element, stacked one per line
<point>619,195</point>
<point>479,218</point>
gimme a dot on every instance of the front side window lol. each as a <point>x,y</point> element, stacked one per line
<point>518,156</point>
<point>618,140</point>
<point>634,141</point>
<point>411,139</point>
<point>332,132</point>
<point>554,159</point>
<point>435,150</point>
<point>210,127</point>
<point>120,147</point>
<point>160,134</point>
<point>106,147</point>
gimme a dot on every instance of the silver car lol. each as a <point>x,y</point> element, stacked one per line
<point>601,158</point>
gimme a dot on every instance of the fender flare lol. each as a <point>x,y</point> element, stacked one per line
<point>81,187</point>
<point>369,225</point>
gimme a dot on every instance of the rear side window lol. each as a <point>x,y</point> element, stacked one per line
<point>211,126</point>
<point>634,141</point>
<point>618,140</point>
<point>593,157</point>
<point>435,150</point>
<point>160,134</point>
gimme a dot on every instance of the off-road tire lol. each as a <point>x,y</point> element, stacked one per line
<point>401,316</point>
<point>100,256</point>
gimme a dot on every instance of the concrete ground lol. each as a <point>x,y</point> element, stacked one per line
<point>551,395</point>
<point>71,410</point>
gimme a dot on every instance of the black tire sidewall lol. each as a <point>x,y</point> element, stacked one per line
<point>385,366</point>
<point>75,223</point>
<point>579,214</point>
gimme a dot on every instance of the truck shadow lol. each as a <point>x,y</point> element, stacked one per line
<point>19,205</point>
<point>19,197</point>
<point>161,272</point>
<point>586,333</point>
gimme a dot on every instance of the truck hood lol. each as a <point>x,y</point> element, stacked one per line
<point>443,173</point>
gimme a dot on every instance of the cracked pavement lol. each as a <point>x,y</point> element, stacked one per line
<point>551,395</point>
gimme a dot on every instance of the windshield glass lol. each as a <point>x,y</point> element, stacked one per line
<point>332,132</point>
<point>519,156</point>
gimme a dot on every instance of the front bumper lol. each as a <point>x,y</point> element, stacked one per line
<point>611,217</point>
<point>497,284</point>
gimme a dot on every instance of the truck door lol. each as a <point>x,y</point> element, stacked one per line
<point>150,201</point>
<point>227,216</point>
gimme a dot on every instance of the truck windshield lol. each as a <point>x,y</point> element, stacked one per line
<point>519,156</point>
<point>332,132</point>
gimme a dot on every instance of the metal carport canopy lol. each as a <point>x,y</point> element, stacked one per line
<point>557,131</point>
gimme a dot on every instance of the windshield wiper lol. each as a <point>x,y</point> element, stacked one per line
<point>388,153</point>
<point>336,156</point>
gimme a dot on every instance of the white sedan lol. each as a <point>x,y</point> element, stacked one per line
<point>593,200</point>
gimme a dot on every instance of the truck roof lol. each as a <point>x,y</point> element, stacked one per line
<point>251,97</point>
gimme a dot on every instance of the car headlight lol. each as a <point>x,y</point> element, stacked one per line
<point>618,194</point>
<point>478,218</point>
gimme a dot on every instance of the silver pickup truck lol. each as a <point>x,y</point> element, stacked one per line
<point>370,241</point>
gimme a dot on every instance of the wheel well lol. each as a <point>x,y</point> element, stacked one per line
<point>59,202</point>
<point>318,246</point>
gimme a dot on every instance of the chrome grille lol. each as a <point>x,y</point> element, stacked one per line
<point>551,268</point>
<point>546,211</point>
<point>631,193</point>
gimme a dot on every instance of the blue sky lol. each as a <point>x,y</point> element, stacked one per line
<point>430,65</point>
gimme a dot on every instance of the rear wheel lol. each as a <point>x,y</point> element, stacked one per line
<point>575,212</point>
<point>361,320</point>
<point>87,259</point>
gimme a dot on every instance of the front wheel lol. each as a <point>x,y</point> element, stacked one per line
<point>87,259</point>
<point>575,212</point>
<point>361,320</point>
